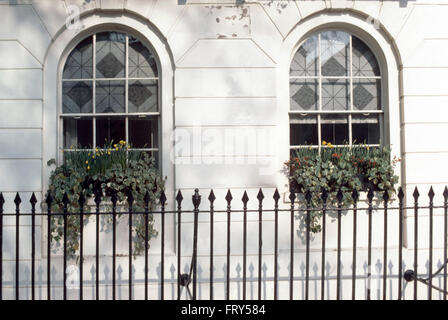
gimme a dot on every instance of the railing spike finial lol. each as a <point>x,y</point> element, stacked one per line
<point>130,198</point>
<point>17,199</point>
<point>146,198</point>
<point>292,196</point>
<point>81,200</point>
<point>324,196</point>
<point>386,196</point>
<point>445,193</point>
<point>400,194</point>
<point>416,194</point>
<point>179,197</point>
<point>431,194</point>
<point>245,198</point>
<point>276,195</point>
<point>355,196</point>
<point>49,199</point>
<point>114,198</point>
<point>229,197</point>
<point>97,198</point>
<point>308,197</point>
<point>339,196</point>
<point>370,195</point>
<point>211,196</point>
<point>33,199</point>
<point>65,199</point>
<point>260,195</point>
<point>163,198</point>
<point>2,200</point>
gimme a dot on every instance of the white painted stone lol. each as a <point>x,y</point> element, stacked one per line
<point>225,53</point>
<point>233,172</point>
<point>141,7</point>
<point>13,55</point>
<point>393,16</point>
<point>426,137</point>
<point>235,111</point>
<point>22,23</point>
<point>20,84</point>
<point>369,8</point>
<point>342,4</point>
<point>426,168</point>
<point>21,175</point>
<point>225,83</point>
<point>424,81</point>
<point>431,53</point>
<point>52,13</point>
<point>21,143</point>
<point>284,14</point>
<point>112,4</point>
<point>425,109</point>
<point>222,22</point>
<point>308,8</point>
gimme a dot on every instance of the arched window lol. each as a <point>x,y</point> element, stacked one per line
<point>110,93</point>
<point>335,92</point>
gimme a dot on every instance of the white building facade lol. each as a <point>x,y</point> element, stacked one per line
<point>222,85</point>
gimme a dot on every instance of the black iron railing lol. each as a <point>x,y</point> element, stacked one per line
<point>188,281</point>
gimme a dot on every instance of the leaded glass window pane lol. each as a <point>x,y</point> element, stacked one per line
<point>77,97</point>
<point>335,94</point>
<point>364,62</point>
<point>335,53</point>
<point>80,61</point>
<point>110,55</point>
<point>110,97</point>
<point>367,94</point>
<point>305,61</point>
<point>143,96</point>
<point>142,63</point>
<point>304,94</point>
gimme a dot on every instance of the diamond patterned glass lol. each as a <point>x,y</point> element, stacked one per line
<point>367,94</point>
<point>143,96</point>
<point>364,62</point>
<point>110,55</point>
<point>79,63</point>
<point>335,53</point>
<point>77,97</point>
<point>335,94</point>
<point>110,97</point>
<point>142,63</point>
<point>304,94</point>
<point>305,61</point>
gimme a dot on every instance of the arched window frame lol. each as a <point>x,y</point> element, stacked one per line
<point>388,57</point>
<point>127,116</point>
<point>349,78</point>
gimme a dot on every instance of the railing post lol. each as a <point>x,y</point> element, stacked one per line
<point>97,243</point>
<point>212,199</point>
<point>229,200</point>
<point>146,200</point>
<point>308,197</point>
<point>400,241</point>
<point>2,202</point>
<point>81,202</point>
<point>179,199</point>
<point>163,200</point>
<point>114,200</point>
<point>431,221</point>
<point>260,198</point>
<point>49,202</point>
<point>339,197</point>
<point>65,202</point>
<point>130,204</point>
<point>386,199</point>
<point>196,198</point>
<point>276,199</point>
<point>369,245</point>
<point>355,198</point>
<point>416,195</point>
<point>17,201</point>
<point>324,197</point>
<point>33,202</point>
<point>292,197</point>
<point>445,238</point>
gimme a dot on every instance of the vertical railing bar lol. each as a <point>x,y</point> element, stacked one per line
<point>245,199</point>
<point>211,198</point>
<point>260,198</point>
<point>179,199</point>
<point>228,199</point>
<point>292,197</point>
<point>338,269</point>
<point>33,202</point>
<point>17,202</point>
<point>355,197</point>
<point>307,257</point>
<point>97,244</point>
<point>114,243</point>
<point>369,250</point>
<point>49,200</point>
<point>130,204</point>
<point>65,201</point>
<point>2,201</point>
<point>81,246</point>
<point>146,218</point>
<point>162,248</point>
<point>416,195</point>
<point>276,198</point>
<point>445,239</point>
<point>431,220</point>
<point>196,199</point>
<point>386,199</point>
<point>400,242</point>
<point>324,198</point>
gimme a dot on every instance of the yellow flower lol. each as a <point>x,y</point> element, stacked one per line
<point>87,162</point>
<point>309,148</point>
<point>116,148</point>
<point>108,152</point>
<point>122,142</point>
<point>115,145</point>
<point>93,157</point>
<point>88,154</point>
<point>88,167</point>
<point>324,142</point>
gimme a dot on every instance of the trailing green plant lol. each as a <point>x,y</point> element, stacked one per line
<point>111,169</point>
<point>344,168</point>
